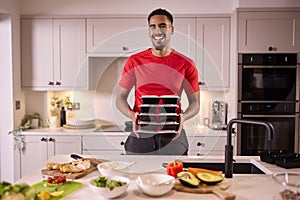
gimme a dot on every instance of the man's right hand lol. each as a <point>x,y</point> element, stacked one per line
<point>133,117</point>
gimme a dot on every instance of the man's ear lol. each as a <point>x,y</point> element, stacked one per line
<point>172,30</point>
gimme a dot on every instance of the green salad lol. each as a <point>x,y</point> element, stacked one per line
<point>102,181</point>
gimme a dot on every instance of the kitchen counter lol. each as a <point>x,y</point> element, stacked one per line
<point>244,186</point>
<point>199,130</point>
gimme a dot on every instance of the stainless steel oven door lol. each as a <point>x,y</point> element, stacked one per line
<point>252,139</point>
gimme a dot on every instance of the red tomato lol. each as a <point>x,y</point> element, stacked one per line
<point>174,168</point>
<point>50,180</point>
<point>63,179</point>
<point>58,180</point>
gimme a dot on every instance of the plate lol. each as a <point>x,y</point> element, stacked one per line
<point>80,122</point>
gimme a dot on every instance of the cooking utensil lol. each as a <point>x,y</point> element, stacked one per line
<point>78,157</point>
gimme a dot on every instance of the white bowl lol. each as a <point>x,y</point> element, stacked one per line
<point>106,192</point>
<point>112,168</point>
<point>148,184</point>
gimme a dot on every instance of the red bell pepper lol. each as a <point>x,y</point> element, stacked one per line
<point>174,168</point>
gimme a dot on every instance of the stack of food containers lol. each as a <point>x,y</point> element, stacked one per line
<point>158,115</point>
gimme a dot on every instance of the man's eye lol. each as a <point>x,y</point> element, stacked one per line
<point>152,27</point>
<point>163,26</point>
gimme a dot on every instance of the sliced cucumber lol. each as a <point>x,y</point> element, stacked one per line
<point>209,179</point>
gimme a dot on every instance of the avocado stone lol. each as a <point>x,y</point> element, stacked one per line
<point>188,179</point>
<point>209,178</point>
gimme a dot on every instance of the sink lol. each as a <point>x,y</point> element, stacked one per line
<point>238,168</point>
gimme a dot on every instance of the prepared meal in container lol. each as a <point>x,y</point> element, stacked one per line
<point>150,99</point>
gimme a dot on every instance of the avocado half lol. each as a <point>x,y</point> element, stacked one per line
<point>188,179</point>
<point>209,179</point>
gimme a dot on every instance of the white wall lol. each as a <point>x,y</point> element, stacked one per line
<point>78,7</point>
<point>10,67</point>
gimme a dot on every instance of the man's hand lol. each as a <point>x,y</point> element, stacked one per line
<point>133,117</point>
<point>180,126</point>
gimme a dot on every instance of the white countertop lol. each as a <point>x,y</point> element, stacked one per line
<point>244,186</point>
<point>199,130</point>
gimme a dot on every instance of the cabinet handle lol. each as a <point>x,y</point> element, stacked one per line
<point>44,139</point>
<point>51,140</point>
<point>50,83</point>
<point>122,143</point>
<point>57,83</point>
<point>200,154</point>
<point>201,83</point>
<point>125,48</point>
<point>200,144</point>
<point>272,49</point>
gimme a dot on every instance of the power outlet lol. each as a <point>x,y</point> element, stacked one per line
<point>18,105</point>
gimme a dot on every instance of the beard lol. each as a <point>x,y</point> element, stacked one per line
<point>160,44</point>
<point>159,47</point>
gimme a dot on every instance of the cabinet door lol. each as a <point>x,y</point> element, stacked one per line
<point>269,32</point>
<point>36,52</point>
<point>34,155</point>
<point>63,145</point>
<point>120,36</point>
<point>70,71</point>
<point>207,145</point>
<point>184,37</point>
<point>213,52</point>
<point>106,143</point>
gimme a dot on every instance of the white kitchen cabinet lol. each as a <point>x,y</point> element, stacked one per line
<point>38,149</point>
<point>53,54</point>
<point>184,38</point>
<point>117,37</point>
<point>104,144</point>
<point>273,31</point>
<point>213,52</point>
<point>213,145</point>
<point>122,37</point>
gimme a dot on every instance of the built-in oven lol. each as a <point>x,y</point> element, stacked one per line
<point>268,90</point>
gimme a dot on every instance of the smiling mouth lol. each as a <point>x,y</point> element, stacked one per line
<point>158,37</point>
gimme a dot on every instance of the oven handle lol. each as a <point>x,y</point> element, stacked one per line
<point>268,116</point>
<point>267,66</point>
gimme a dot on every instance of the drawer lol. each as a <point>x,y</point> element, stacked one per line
<point>103,152</point>
<point>205,153</point>
<point>207,143</point>
<point>103,142</point>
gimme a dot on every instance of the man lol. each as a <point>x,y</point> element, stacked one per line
<point>159,70</point>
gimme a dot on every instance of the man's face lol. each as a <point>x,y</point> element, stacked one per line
<point>160,31</point>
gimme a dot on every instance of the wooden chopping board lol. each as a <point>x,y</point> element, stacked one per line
<point>218,189</point>
<point>73,175</point>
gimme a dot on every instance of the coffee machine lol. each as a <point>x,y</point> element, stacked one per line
<point>218,115</point>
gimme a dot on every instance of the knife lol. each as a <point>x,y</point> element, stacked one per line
<point>78,157</point>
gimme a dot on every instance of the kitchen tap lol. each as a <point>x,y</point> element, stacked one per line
<point>229,147</point>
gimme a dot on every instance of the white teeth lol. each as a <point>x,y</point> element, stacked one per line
<point>158,37</point>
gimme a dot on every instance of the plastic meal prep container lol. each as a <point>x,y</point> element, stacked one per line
<point>150,99</point>
<point>170,99</point>
<point>158,126</point>
<point>160,117</point>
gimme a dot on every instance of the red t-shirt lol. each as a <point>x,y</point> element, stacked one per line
<point>152,75</point>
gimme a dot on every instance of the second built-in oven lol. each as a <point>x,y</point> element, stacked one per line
<point>269,91</point>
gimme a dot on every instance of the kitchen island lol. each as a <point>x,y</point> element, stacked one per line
<point>244,186</point>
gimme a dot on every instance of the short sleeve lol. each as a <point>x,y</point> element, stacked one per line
<point>128,78</point>
<point>191,82</point>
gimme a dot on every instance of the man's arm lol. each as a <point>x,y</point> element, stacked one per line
<point>191,110</point>
<point>123,106</point>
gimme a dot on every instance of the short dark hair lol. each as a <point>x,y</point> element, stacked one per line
<point>161,11</point>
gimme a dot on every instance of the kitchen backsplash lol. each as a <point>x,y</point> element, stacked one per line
<point>101,105</point>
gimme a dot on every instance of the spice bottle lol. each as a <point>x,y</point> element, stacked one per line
<point>62,116</point>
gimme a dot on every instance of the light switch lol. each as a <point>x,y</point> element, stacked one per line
<point>18,105</point>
